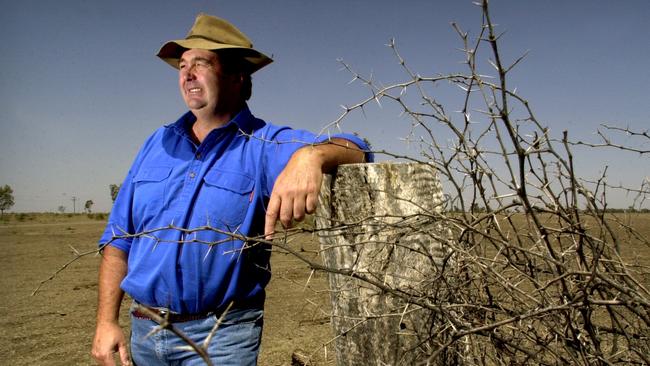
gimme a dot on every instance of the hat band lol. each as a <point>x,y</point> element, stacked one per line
<point>209,40</point>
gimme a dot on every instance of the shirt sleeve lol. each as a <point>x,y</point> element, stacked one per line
<point>120,221</point>
<point>283,142</point>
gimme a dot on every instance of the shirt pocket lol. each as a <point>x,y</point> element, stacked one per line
<point>226,197</point>
<point>150,185</point>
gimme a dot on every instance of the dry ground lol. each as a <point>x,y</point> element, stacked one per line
<point>55,327</point>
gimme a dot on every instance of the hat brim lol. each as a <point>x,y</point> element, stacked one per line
<point>171,52</point>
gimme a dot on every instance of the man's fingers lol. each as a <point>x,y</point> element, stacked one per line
<point>311,202</point>
<point>272,211</point>
<point>105,359</point>
<point>124,355</point>
<point>298,209</point>
<point>286,211</point>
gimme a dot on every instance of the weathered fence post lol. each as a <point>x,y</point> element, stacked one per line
<point>381,235</point>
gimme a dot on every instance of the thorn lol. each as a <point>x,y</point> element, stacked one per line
<point>154,331</point>
<point>376,97</point>
<point>185,348</point>
<point>493,64</point>
<point>205,257</point>
<point>75,251</point>
<point>311,274</point>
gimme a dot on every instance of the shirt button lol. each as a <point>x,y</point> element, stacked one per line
<point>192,175</point>
<point>198,155</point>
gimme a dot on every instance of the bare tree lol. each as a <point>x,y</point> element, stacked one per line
<point>535,278</point>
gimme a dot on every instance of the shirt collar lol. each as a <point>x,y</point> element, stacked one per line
<point>244,121</point>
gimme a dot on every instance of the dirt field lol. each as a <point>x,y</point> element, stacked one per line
<point>55,327</point>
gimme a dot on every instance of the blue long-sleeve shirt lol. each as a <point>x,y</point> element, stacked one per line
<point>225,183</point>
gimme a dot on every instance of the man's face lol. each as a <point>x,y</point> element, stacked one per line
<point>203,84</point>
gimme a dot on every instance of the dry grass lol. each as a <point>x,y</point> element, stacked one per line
<point>56,326</point>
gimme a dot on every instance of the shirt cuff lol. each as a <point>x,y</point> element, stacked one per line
<point>121,244</point>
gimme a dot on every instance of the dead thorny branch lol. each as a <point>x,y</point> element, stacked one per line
<point>542,274</point>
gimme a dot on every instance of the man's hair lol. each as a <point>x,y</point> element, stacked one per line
<point>233,62</point>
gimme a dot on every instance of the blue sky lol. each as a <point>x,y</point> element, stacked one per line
<point>80,87</point>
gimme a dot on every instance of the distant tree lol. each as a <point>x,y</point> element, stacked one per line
<point>115,189</point>
<point>88,206</point>
<point>61,209</point>
<point>6,198</point>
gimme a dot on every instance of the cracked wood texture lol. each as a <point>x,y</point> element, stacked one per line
<point>381,222</point>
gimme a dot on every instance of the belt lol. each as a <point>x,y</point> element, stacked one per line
<point>172,317</point>
<point>168,315</point>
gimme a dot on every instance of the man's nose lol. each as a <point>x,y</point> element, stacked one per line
<point>188,72</point>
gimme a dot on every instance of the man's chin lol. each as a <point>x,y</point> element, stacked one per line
<point>195,104</point>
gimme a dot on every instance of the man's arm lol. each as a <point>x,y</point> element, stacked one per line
<point>109,337</point>
<point>295,192</point>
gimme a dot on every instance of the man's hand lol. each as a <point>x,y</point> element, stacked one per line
<point>110,339</point>
<point>295,192</point>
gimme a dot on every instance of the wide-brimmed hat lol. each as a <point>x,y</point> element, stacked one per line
<point>214,34</point>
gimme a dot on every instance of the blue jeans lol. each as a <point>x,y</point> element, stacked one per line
<point>236,342</point>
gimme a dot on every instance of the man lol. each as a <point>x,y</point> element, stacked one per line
<point>217,166</point>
